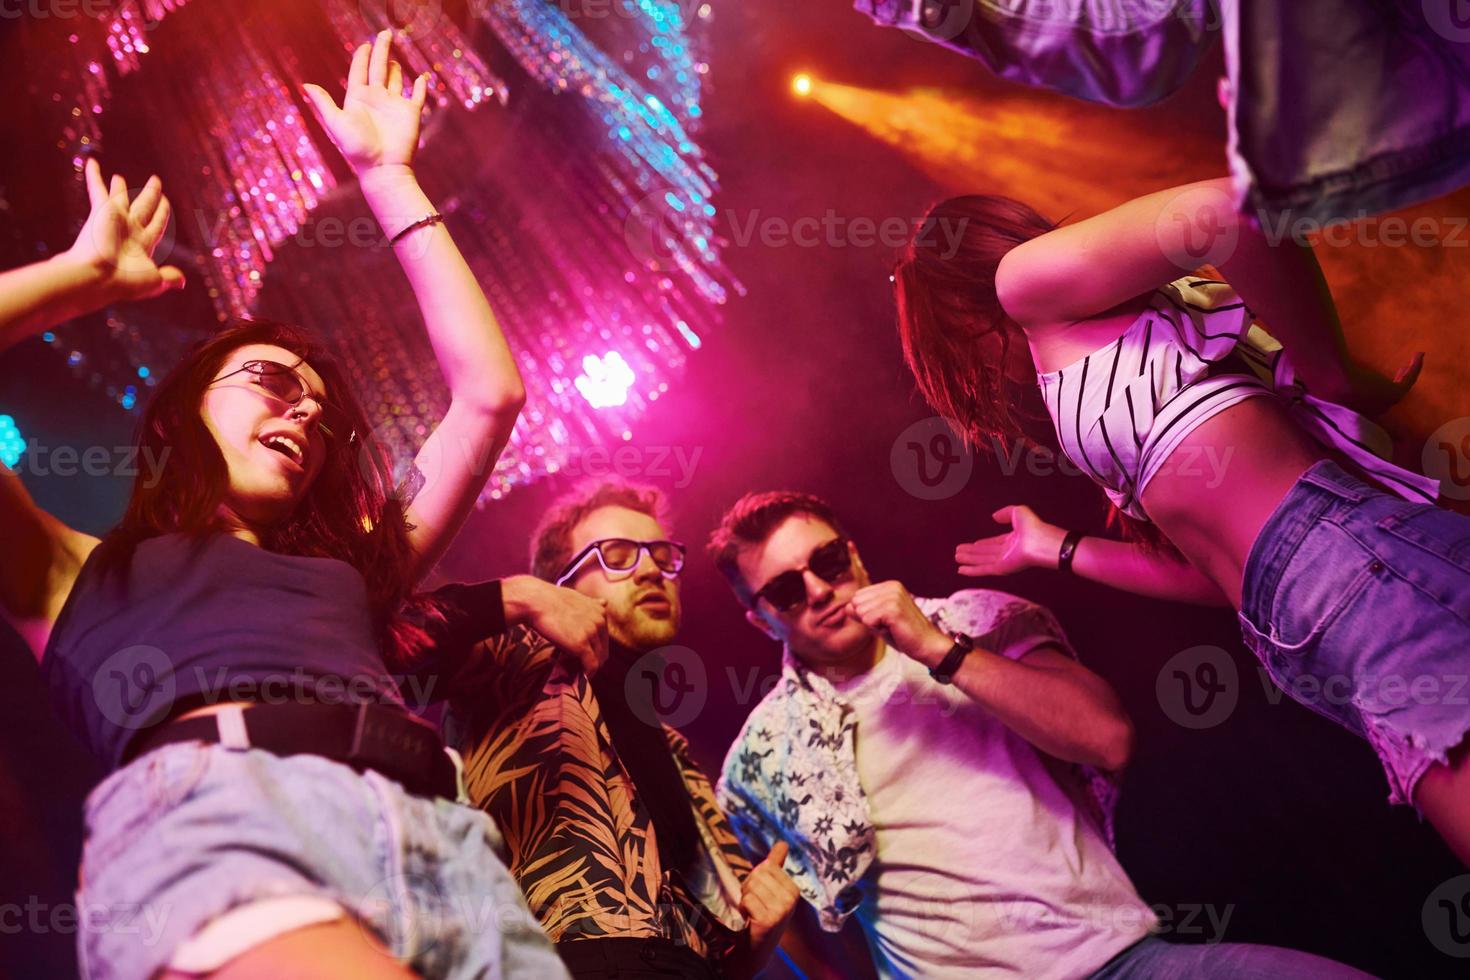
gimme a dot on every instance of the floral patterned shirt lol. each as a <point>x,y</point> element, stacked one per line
<point>792,772</point>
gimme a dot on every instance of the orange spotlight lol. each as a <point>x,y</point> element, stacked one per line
<point>802,85</point>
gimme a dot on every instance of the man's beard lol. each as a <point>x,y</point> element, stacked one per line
<point>642,632</point>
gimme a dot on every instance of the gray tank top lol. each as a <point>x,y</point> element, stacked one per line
<point>203,620</point>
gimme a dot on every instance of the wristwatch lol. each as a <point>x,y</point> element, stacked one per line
<point>944,671</point>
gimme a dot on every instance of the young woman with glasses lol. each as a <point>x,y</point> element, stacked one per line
<point>229,651</point>
<point>1342,568</point>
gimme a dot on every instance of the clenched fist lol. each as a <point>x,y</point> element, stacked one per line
<point>888,609</point>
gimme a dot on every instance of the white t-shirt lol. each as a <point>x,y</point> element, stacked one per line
<point>985,866</point>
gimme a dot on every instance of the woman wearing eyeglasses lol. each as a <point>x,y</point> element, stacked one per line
<point>229,650</point>
<point>1345,574</point>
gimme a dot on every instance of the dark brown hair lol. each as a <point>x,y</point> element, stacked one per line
<point>350,512</point>
<point>956,337</point>
<point>752,519</point>
<point>551,543</point>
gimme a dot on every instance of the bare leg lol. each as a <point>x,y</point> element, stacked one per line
<point>1444,796</point>
<point>319,952</point>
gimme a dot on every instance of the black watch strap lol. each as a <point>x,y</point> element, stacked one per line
<point>1069,550</point>
<point>944,671</point>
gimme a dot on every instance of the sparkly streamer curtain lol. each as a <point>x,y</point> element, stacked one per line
<point>583,204</point>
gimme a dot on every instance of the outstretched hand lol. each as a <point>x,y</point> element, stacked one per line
<point>119,238</point>
<point>377,125</point>
<point>1030,543</point>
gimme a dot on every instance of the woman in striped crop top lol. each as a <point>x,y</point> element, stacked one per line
<point>1244,458</point>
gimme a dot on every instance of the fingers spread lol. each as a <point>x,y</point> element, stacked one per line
<point>420,90</point>
<point>96,189</point>
<point>357,74</point>
<point>147,201</point>
<point>118,191</point>
<point>378,62</point>
<point>157,222</point>
<point>320,100</point>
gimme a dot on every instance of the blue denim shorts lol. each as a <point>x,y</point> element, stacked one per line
<point>190,832</point>
<point>1357,602</point>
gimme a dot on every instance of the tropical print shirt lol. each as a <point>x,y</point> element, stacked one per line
<point>540,760</point>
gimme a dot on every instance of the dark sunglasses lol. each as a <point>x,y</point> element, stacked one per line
<point>284,383</point>
<point>828,562</point>
<point>621,555</point>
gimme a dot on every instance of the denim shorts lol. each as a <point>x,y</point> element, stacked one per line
<point>1357,602</point>
<point>190,832</point>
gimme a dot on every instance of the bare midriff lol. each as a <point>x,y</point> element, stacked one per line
<point>1227,478</point>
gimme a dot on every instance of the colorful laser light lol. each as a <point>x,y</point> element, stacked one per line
<point>802,85</point>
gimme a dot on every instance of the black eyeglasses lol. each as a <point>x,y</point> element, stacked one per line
<point>828,562</point>
<point>286,384</point>
<point>621,555</point>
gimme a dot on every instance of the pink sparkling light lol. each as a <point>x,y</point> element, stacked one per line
<point>605,380</point>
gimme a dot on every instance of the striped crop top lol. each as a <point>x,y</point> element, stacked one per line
<point>1122,410</point>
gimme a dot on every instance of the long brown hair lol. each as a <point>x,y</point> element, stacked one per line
<point>957,338</point>
<point>350,512</point>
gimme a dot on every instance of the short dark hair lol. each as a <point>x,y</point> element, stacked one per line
<point>551,543</point>
<point>751,520</point>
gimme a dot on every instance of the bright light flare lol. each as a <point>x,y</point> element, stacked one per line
<point>802,85</point>
<point>605,380</point>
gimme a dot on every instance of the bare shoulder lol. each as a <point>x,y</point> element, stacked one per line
<point>44,559</point>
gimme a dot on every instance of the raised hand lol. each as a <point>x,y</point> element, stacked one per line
<point>377,124</point>
<point>1030,543</point>
<point>768,896</point>
<point>119,238</point>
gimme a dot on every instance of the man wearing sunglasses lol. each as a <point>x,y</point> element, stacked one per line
<point>939,769</point>
<point>615,836</point>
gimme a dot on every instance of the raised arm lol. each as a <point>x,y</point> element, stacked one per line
<point>110,262</point>
<point>1033,543</point>
<point>1085,269</point>
<point>1045,696</point>
<point>377,130</point>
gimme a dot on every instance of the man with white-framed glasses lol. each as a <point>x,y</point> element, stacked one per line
<point>615,836</point>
